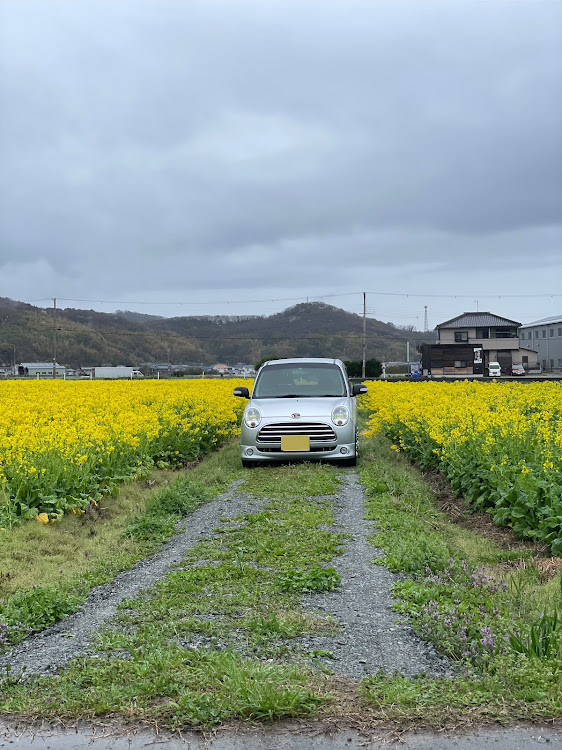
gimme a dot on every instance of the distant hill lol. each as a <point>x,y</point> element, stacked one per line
<point>87,337</point>
<point>136,317</point>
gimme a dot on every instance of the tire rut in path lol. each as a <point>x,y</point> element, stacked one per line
<point>372,638</point>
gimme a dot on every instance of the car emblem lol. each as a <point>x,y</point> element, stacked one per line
<point>295,416</point>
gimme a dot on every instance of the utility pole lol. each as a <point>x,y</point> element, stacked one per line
<point>15,368</point>
<point>425,324</point>
<point>54,337</point>
<point>364,334</point>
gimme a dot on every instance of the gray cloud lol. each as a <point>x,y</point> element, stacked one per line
<point>200,146</point>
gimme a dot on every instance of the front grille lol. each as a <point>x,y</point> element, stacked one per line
<point>272,433</point>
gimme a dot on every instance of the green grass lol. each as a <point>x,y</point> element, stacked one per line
<point>172,687</point>
<point>453,596</point>
<point>292,480</point>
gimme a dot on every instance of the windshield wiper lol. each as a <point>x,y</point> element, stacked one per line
<point>291,395</point>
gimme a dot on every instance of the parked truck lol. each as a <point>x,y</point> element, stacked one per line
<point>117,372</point>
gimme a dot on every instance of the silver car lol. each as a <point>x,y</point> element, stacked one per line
<point>300,409</point>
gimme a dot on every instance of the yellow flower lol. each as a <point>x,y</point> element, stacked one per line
<point>66,438</point>
<point>42,518</point>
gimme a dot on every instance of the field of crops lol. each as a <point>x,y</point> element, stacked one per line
<point>63,443</point>
<point>499,445</point>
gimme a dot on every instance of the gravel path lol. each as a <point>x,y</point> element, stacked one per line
<point>371,639</point>
<point>45,652</point>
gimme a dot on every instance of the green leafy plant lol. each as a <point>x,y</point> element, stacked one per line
<point>307,580</point>
<point>38,608</point>
<point>543,639</point>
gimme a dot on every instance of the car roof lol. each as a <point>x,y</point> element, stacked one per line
<point>303,360</point>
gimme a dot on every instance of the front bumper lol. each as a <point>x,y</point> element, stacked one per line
<point>341,451</point>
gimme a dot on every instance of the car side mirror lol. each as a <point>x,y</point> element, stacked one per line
<point>359,389</point>
<point>242,391</point>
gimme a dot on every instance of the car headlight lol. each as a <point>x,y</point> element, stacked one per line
<point>340,416</point>
<point>252,417</point>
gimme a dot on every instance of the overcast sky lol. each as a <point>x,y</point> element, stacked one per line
<point>185,157</point>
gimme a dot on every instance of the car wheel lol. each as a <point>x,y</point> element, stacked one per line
<point>252,464</point>
<point>348,461</point>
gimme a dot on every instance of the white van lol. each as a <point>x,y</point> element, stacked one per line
<point>494,369</point>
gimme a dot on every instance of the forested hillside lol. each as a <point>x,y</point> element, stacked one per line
<point>87,337</point>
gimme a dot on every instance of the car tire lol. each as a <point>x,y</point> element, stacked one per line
<point>348,461</point>
<point>353,460</point>
<point>252,464</point>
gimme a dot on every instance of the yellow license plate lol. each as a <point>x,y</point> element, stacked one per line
<point>295,443</point>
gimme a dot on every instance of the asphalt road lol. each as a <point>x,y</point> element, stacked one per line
<point>518,738</point>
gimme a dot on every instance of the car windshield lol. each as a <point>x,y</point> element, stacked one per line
<point>300,381</point>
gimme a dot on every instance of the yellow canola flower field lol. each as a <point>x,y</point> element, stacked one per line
<point>499,445</point>
<point>63,443</point>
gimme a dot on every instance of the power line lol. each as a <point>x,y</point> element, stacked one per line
<point>465,296</point>
<point>246,301</point>
<point>213,302</point>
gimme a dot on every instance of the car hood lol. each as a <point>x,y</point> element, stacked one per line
<point>307,408</point>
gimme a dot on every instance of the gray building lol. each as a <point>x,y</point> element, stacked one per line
<point>40,369</point>
<point>545,337</point>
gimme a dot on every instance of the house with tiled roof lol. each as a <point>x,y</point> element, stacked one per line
<point>469,342</point>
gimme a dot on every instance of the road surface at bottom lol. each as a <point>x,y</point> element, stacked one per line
<point>291,738</point>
